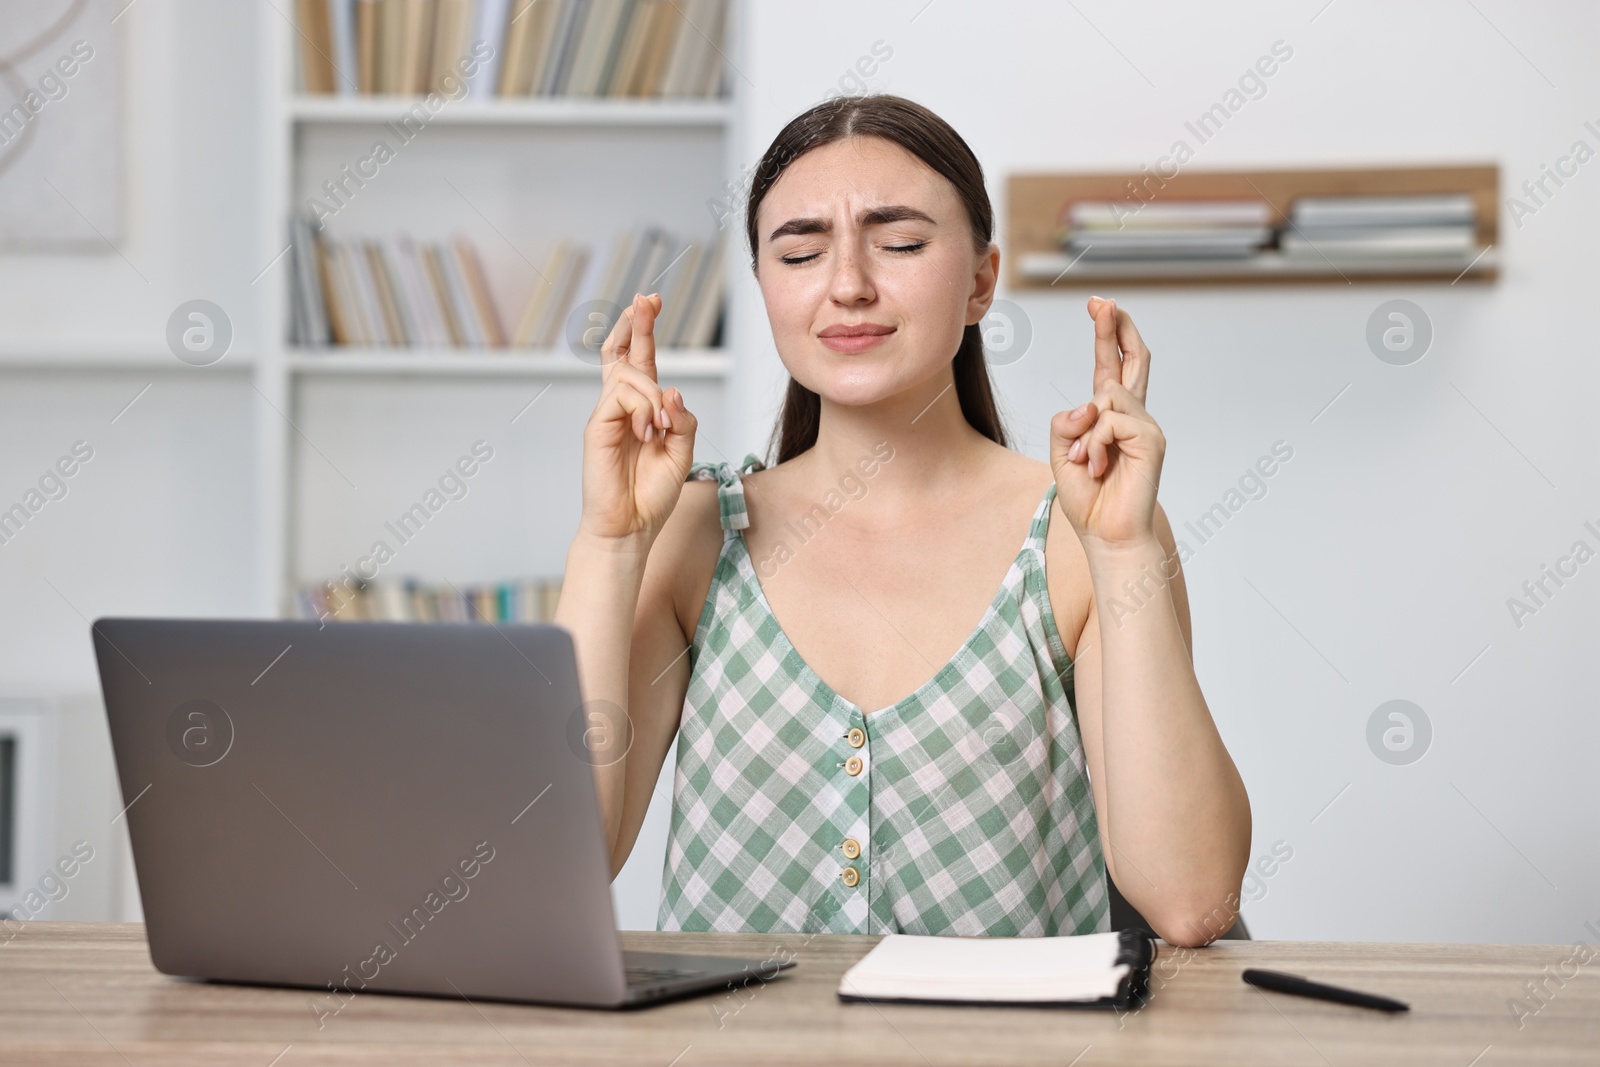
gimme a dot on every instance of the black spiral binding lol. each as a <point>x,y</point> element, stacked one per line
<point>1137,949</point>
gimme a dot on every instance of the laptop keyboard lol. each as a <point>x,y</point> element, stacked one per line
<point>641,975</point>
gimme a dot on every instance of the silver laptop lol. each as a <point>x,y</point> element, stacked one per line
<point>373,807</point>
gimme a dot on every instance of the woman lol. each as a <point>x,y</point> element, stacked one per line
<point>877,780</point>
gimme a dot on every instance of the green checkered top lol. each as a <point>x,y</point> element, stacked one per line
<point>969,811</point>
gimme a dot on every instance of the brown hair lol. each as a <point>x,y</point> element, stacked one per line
<point>932,140</point>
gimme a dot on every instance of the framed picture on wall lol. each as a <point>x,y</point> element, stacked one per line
<point>61,125</point>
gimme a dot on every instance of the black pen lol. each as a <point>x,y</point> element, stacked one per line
<point>1305,987</point>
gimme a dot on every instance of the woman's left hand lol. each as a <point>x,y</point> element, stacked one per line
<point>1107,453</point>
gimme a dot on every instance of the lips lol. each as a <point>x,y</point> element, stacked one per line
<point>854,338</point>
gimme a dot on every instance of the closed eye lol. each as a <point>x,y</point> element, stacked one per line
<point>904,249</point>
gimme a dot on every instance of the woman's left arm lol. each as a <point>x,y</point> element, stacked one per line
<point>1172,810</point>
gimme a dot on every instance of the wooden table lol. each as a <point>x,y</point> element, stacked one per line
<point>85,993</point>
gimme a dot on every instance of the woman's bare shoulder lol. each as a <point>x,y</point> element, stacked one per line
<point>685,551</point>
<point>691,542</point>
<point>1066,567</point>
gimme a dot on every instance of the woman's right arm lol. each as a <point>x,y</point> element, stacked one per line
<point>637,449</point>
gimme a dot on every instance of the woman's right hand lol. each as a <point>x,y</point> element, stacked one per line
<point>639,443</point>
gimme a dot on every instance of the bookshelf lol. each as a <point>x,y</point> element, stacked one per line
<point>516,111</point>
<point>1034,204</point>
<point>515,174</point>
<point>708,363</point>
<point>112,358</point>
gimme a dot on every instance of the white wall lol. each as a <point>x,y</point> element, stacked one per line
<point>1406,518</point>
<point>162,520</point>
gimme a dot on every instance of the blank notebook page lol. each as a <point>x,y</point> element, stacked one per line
<point>1076,967</point>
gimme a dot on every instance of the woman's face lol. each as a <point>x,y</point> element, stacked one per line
<point>868,271</point>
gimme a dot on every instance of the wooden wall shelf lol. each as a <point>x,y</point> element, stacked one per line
<point>1034,203</point>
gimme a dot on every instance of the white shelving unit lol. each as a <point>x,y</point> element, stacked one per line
<point>389,362</point>
<point>111,358</point>
<point>517,111</point>
<point>513,173</point>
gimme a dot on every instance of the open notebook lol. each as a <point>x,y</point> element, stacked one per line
<point>1109,970</point>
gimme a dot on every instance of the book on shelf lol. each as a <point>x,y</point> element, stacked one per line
<point>522,50</point>
<point>1166,229</point>
<point>1361,241</point>
<point>556,289</point>
<point>363,25</point>
<point>688,275</point>
<point>317,50</point>
<point>1102,215</point>
<point>389,293</point>
<point>453,24</point>
<point>568,48</point>
<point>488,16</point>
<point>528,599</point>
<point>413,33</point>
<point>399,293</point>
<point>1449,209</point>
<point>1170,244</point>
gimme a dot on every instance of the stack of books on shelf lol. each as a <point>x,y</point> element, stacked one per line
<point>1177,239</point>
<point>1169,229</point>
<point>392,292</point>
<point>1381,227</point>
<point>410,600</point>
<point>687,274</point>
<point>577,48</point>
<point>396,292</point>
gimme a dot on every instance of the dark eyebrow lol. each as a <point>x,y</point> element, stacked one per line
<point>874,217</point>
<point>800,227</point>
<point>893,213</point>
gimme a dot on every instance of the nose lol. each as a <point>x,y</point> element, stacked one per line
<point>851,283</point>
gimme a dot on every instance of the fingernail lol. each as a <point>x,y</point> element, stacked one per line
<point>1082,410</point>
<point>650,433</point>
<point>666,419</point>
<point>1076,450</point>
